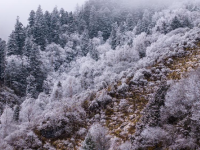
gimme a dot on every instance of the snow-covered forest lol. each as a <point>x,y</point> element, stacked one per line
<point>108,76</point>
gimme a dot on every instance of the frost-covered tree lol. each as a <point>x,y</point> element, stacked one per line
<point>11,46</point>
<point>59,91</point>
<point>151,122</point>
<point>102,141</point>
<point>154,107</point>
<point>93,51</point>
<point>140,44</point>
<point>175,23</point>
<point>113,36</point>
<point>144,24</point>
<point>55,26</point>
<point>31,87</point>
<point>81,25</point>
<point>2,58</point>
<point>63,17</point>
<point>164,28</point>
<point>85,42</point>
<point>70,53</point>
<point>47,18</point>
<point>31,21</point>
<point>31,18</point>
<point>16,40</point>
<point>182,108</point>
<point>20,37</point>
<point>93,25</point>
<point>88,143</point>
<point>96,138</point>
<point>36,67</point>
<point>16,73</point>
<point>39,30</point>
<point>71,26</point>
<point>16,113</point>
<point>27,110</point>
<point>123,27</point>
<point>56,56</point>
<point>105,22</point>
<point>28,46</point>
<point>130,22</point>
<point>186,22</point>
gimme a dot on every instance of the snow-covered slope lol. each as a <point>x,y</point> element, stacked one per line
<point>136,90</point>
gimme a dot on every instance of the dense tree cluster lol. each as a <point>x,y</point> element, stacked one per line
<point>62,64</point>
<point>76,33</point>
<point>173,121</point>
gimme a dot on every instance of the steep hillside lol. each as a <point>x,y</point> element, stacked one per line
<point>107,77</point>
<point>124,108</point>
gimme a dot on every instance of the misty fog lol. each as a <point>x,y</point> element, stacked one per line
<point>10,9</point>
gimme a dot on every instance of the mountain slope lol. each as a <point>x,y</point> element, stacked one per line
<point>124,105</point>
<point>104,78</point>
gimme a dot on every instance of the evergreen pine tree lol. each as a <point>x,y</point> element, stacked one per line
<point>11,46</point>
<point>70,53</point>
<point>120,34</point>
<point>16,74</point>
<point>175,23</point>
<point>47,19</point>
<point>123,27</point>
<point>31,91</point>
<point>20,37</point>
<point>100,37</point>
<point>93,51</point>
<point>63,17</point>
<point>16,40</point>
<point>35,68</point>
<point>63,40</point>
<point>39,30</point>
<point>139,27</point>
<point>16,45</point>
<point>86,12</point>
<point>89,144</point>
<point>146,21</point>
<point>93,28</point>
<point>28,46</point>
<point>2,58</point>
<point>113,36</point>
<point>31,18</point>
<point>129,22</point>
<point>59,92</point>
<point>55,26</point>
<point>71,26</point>
<point>144,24</point>
<point>81,26</point>
<point>164,28</point>
<point>85,42</point>
<point>16,113</point>
<point>152,119</point>
<point>105,22</point>
<point>186,23</point>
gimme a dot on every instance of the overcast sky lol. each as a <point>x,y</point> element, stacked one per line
<point>10,9</point>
